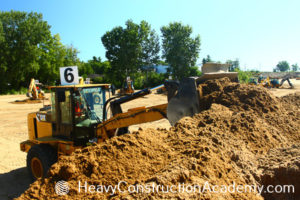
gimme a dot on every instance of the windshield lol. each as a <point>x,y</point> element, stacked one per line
<point>91,101</point>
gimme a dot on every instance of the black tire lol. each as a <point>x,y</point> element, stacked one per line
<point>46,155</point>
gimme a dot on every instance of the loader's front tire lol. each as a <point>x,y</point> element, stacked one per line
<point>39,160</point>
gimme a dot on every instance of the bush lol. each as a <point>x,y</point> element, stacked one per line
<point>15,92</point>
<point>244,76</point>
<point>141,80</point>
<point>155,79</point>
<point>106,79</point>
<point>98,80</point>
<point>194,71</point>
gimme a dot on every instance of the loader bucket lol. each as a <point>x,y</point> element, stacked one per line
<point>185,102</point>
<point>185,99</point>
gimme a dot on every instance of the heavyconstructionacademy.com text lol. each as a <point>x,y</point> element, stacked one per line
<point>62,188</point>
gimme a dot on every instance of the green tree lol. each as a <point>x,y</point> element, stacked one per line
<point>71,56</point>
<point>295,67</point>
<point>106,66</point>
<point>85,69</point>
<point>129,48</point>
<point>23,35</point>
<point>207,59</point>
<point>3,65</point>
<point>282,66</point>
<point>149,44</point>
<point>234,65</point>
<point>28,50</point>
<point>96,65</point>
<point>161,62</point>
<point>53,56</point>
<point>244,76</point>
<point>179,49</point>
<point>2,39</point>
<point>194,71</point>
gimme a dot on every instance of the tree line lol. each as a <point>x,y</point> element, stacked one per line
<point>284,66</point>
<point>28,50</point>
<point>134,50</point>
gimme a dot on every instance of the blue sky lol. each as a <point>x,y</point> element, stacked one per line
<point>260,33</point>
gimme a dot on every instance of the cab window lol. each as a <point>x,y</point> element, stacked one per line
<point>53,108</point>
<point>65,107</point>
<point>80,108</point>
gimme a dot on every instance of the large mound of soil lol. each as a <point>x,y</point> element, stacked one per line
<point>239,138</point>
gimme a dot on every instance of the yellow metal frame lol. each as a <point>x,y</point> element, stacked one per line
<point>81,86</point>
<point>63,147</point>
<point>134,116</point>
<point>44,128</point>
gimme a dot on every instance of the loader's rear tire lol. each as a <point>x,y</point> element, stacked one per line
<point>39,160</point>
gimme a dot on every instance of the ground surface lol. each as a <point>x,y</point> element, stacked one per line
<point>13,130</point>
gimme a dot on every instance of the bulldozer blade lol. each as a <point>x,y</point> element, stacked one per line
<point>185,102</point>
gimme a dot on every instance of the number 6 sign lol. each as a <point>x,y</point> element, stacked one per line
<point>69,75</point>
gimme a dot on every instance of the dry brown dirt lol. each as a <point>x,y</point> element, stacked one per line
<point>13,129</point>
<point>157,154</point>
<point>233,140</point>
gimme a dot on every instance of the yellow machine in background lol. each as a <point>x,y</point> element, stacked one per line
<point>34,90</point>
<point>264,81</point>
<point>128,87</point>
<point>273,82</point>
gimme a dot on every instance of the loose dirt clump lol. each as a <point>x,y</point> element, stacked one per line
<point>237,96</point>
<point>241,137</point>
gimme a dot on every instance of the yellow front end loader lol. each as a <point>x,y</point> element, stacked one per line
<point>78,117</point>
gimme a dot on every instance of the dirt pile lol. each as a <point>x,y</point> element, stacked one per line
<point>281,166</point>
<point>237,97</point>
<point>233,141</point>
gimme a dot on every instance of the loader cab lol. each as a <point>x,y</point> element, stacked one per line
<point>77,110</point>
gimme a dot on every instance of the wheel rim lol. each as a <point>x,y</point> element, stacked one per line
<point>36,167</point>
